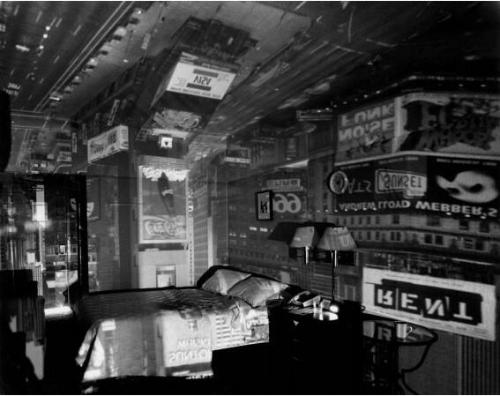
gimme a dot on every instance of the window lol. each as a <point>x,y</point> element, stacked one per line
<point>428,238</point>
<point>377,235</point>
<point>433,221</point>
<point>352,220</point>
<point>360,220</point>
<point>377,219</point>
<point>479,245</point>
<point>368,220</point>
<point>468,243</point>
<point>395,219</point>
<point>349,292</point>
<point>368,235</point>
<point>484,226</point>
<point>463,224</point>
<point>438,240</point>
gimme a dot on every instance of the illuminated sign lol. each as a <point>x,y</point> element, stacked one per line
<point>162,201</point>
<point>208,81</point>
<point>453,185</point>
<point>108,143</point>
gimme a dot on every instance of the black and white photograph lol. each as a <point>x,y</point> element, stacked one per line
<point>250,197</point>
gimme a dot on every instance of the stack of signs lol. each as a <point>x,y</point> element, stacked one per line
<point>190,93</point>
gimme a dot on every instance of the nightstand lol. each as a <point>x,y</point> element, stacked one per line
<point>310,355</point>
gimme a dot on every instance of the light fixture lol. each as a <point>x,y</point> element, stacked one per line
<point>22,48</point>
<point>333,240</point>
<point>304,238</point>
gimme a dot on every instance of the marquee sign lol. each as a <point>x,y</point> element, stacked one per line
<point>452,305</point>
<point>436,184</point>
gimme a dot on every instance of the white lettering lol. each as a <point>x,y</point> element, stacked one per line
<point>433,306</point>
<point>407,301</point>
<point>385,297</point>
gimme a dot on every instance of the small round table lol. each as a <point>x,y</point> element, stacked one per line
<point>382,339</point>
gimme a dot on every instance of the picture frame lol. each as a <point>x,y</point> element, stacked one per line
<point>264,205</point>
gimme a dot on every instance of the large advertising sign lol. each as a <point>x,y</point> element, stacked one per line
<point>422,121</point>
<point>107,143</point>
<point>453,305</point>
<point>289,195</point>
<point>162,201</point>
<point>366,131</point>
<point>441,184</point>
<point>446,122</point>
<point>192,76</point>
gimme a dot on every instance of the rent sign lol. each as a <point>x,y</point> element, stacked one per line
<point>457,306</point>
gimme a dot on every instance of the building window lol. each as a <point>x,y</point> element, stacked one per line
<point>428,238</point>
<point>349,293</point>
<point>484,226</point>
<point>368,235</point>
<point>463,224</point>
<point>345,221</point>
<point>377,235</point>
<point>438,240</point>
<point>395,219</point>
<point>360,220</point>
<point>395,236</point>
<point>479,245</point>
<point>433,221</point>
<point>377,219</point>
<point>368,220</point>
<point>469,243</point>
<point>352,220</point>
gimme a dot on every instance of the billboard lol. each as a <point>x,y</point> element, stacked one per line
<point>454,305</point>
<point>162,200</point>
<point>422,121</point>
<point>107,143</point>
<point>448,122</point>
<point>434,184</point>
<point>193,76</point>
<point>368,130</point>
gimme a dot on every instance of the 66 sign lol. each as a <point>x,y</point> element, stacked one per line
<point>287,203</point>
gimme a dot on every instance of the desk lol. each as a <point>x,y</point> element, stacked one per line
<point>383,339</point>
<point>313,356</point>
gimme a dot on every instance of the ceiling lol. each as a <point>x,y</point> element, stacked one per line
<point>55,57</point>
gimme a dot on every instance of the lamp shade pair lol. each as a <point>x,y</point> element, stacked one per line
<point>333,238</point>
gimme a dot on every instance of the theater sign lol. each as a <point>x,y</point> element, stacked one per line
<point>428,183</point>
<point>453,305</point>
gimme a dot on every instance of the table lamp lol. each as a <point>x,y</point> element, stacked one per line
<point>333,240</point>
<point>303,238</point>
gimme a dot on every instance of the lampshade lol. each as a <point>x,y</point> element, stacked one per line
<point>336,238</point>
<point>303,237</point>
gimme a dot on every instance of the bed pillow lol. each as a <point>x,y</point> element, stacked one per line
<point>256,290</point>
<point>223,279</point>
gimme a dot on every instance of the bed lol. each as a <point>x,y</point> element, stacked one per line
<point>173,331</point>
